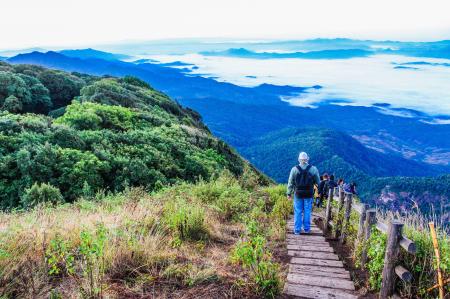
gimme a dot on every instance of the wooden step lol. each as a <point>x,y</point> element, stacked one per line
<point>320,281</point>
<point>313,255</point>
<point>303,243</point>
<point>310,248</point>
<point>313,262</point>
<point>307,291</point>
<point>305,237</point>
<point>319,271</point>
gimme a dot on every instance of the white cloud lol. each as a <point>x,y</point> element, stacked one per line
<point>83,22</point>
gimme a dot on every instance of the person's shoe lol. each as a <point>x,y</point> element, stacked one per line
<point>296,233</point>
<point>307,232</point>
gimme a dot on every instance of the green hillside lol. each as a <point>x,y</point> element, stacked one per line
<point>338,153</point>
<point>114,133</point>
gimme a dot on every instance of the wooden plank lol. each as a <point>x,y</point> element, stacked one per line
<point>408,245</point>
<point>314,262</point>
<point>313,255</point>
<point>310,247</point>
<point>403,274</point>
<point>382,227</point>
<point>314,243</point>
<point>305,242</point>
<point>318,269</point>
<point>305,237</point>
<point>306,291</point>
<point>323,282</point>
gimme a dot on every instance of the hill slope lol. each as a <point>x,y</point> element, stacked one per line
<point>387,180</point>
<point>331,151</point>
<point>117,133</point>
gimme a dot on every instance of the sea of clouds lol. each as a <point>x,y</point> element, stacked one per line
<point>356,81</point>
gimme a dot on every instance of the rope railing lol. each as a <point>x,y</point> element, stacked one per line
<point>367,220</point>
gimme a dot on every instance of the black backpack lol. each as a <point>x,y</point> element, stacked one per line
<point>304,183</point>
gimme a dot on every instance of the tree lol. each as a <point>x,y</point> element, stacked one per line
<point>63,87</point>
<point>43,193</point>
<point>12,104</point>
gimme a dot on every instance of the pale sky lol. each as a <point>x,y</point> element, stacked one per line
<point>30,23</point>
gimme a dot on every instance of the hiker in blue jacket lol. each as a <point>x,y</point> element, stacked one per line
<point>301,182</point>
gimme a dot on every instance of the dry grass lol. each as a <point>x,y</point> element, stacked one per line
<point>131,250</point>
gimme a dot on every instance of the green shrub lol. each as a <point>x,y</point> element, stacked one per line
<point>59,257</point>
<point>92,249</point>
<point>44,193</point>
<point>186,221</point>
<point>375,253</point>
<point>253,255</point>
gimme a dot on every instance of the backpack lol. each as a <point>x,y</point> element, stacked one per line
<point>347,188</point>
<point>304,183</point>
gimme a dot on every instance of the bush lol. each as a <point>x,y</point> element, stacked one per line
<point>43,193</point>
<point>186,221</point>
<point>253,255</point>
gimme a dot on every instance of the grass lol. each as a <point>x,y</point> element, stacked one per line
<point>179,241</point>
<point>421,265</point>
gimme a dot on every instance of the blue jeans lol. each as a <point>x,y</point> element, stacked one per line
<point>302,214</point>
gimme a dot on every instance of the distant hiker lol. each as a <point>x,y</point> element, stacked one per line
<point>323,181</point>
<point>350,188</point>
<point>330,185</point>
<point>301,182</point>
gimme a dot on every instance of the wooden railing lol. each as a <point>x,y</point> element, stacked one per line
<point>367,220</point>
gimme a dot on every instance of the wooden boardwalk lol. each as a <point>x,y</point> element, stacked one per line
<point>315,271</point>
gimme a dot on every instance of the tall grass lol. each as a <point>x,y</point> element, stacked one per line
<point>133,242</point>
<point>422,264</point>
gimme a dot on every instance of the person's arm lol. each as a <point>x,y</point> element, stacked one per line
<point>290,185</point>
<point>316,176</point>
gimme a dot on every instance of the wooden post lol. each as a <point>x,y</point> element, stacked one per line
<point>371,219</point>
<point>438,259</point>
<point>339,218</point>
<point>390,257</point>
<point>328,211</point>
<point>362,221</point>
<point>348,210</point>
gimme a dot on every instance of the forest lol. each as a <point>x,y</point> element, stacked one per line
<point>72,135</point>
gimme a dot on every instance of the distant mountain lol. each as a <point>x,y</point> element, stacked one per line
<point>323,54</point>
<point>93,54</point>
<point>332,151</point>
<point>384,180</point>
<point>11,53</point>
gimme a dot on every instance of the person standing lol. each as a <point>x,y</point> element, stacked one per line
<point>302,179</point>
<point>321,188</point>
<point>330,185</point>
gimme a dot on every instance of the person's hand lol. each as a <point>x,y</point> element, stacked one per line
<point>289,197</point>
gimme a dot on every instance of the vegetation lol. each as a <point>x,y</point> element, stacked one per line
<point>176,241</point>
<point>117,133</point>
<point>339,153</point>
<point>422,264</point>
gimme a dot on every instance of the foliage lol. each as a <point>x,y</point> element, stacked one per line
<point>92,247</point>
<point>42,193</point>
<point>185,220</point>
<point>252,254</point>
<point>59,257</point>
<point>133,242</point>
<point>375,253</point>
<point>119,133</point>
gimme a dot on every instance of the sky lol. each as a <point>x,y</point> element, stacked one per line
<point>31,23</point>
